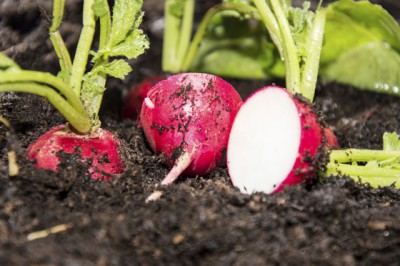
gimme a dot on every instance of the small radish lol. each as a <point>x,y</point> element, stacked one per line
<point>77,90</point>
<point>100,149</point>
<point>273,142</point>
<point>133,100</point>
<point>188,117</point>
<point>331,141</point>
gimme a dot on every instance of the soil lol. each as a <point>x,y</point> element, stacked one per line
<point>201,220</point>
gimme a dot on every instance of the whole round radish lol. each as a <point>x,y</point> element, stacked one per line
<point>100,149</point>
<point>188,117</point>
<point>274,142</point>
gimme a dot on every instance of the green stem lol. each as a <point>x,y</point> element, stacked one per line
<point>44,78</point>
<point>58,43</point>
<point>314,46</point>
<point>105,29</point>
<point>271,24</point>
<point>376,177</point>
<point>170,42</point>
<point>83,48</point>
<point>79,121</point>
<point>185,33</point>
<point>105,26</point>
<point>192,51</point>
<point>290,56</point>
<point>361,155</point>
<point>95,102</point>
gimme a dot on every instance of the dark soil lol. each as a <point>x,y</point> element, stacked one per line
<point>198,221</point>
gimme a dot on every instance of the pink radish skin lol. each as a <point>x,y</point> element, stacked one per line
<point>273,142</point>
<point>134,99</point>
<point>100,147</point>
<point>188,117</point>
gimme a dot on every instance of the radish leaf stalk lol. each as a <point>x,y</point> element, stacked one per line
<point>375,167</point>
<point>83,48</point>
<point>301,64</point>
<point>179,48</point>
<point>57,41</point>
<point>78,92</point>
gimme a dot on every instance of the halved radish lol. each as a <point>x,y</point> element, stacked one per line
<point>273,142</point>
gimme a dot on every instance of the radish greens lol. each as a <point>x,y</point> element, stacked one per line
<point>76,94</point>
<point>361,42</point>
<point>375,167</point>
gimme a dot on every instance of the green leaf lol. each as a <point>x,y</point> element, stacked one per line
<point>126,40</point>
<point>126,13</point>
<point>134,45</point>
<point>92,88</point>
<point>99,8</point>
<point>231,61</point>
<point>361,47</point>
<point>374,66</point>
<point>238,48</point>
<point>7,64</point>
<point>391,141</point>
<point>351,24</point>
<point>300,19</point>
<point>117,68</point>
<point>92,91</point>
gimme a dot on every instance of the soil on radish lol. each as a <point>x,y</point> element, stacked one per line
<point>197,221</point>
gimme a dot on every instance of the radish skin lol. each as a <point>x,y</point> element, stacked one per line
<point>100,149</point>
<point>133,101</point>
<point>274,141</point>
<point>188,117</point>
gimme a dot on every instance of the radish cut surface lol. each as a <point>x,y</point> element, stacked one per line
<point>271,142</point>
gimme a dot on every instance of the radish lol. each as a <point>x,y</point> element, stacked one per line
<point>99,149</point>
<point>331,141</point>
<point>78,94</point>
<point>188,117</point>
<point>133,100</point>
<point>274,141</point>
<point>276,138</point>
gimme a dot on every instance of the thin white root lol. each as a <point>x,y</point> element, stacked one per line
<point>13,168</point>
<point>154,196</point>
<point>180,165</point>
<point>5,121</point>
<point>45,233</point>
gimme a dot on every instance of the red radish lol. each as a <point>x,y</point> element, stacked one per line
<point>78,96</point>
<point>188,117</point>
<point>331,141</point>
<point>273,142</point>
<point>100,148</point>
<point>133,100</point>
